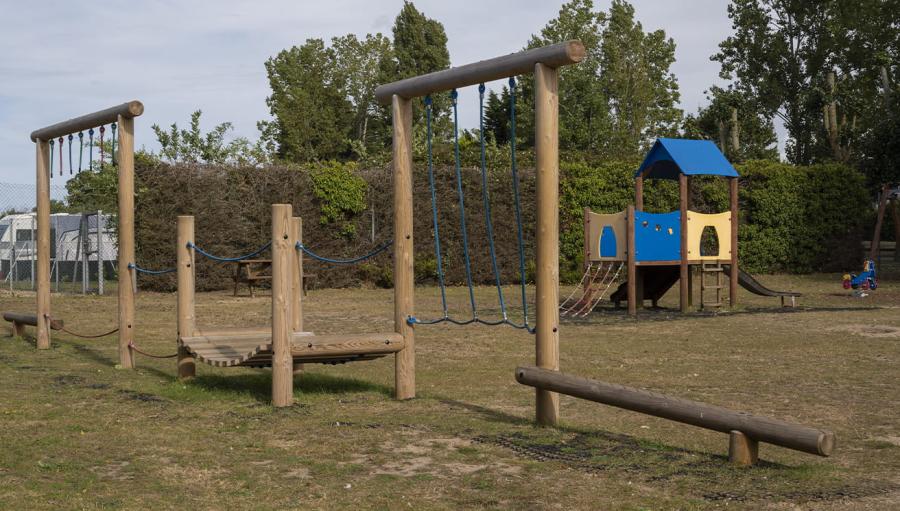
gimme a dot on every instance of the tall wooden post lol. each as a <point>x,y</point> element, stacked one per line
<point>630,261</point>
<point>43,243</point>
<point>126,241</point>
<point>733,277</point>
<point>639,193</point>
<point>404,305</point>
<point>684,191</point>
<point>297,282</point>
<point>186,315</point>
<point>282,362</point>
<point>546,136</point>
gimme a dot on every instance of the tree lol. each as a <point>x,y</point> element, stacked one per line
<point>420,47</point>
<point>313,117</point>
<point>622,95</point>
<point>497,116</point>
<point>732,121</point>
<point>193,146</point>
<point>358,62</point>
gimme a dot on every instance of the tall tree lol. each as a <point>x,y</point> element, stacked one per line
<point>622,95</point>
<point>733,122</point>
<point>313,116</point>
<point>497,116</point>
<point>358,61</point>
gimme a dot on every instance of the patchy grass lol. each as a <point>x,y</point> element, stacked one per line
<point>79,434</point>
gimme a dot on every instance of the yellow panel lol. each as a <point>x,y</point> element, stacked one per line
<point>597,223</point>
<point>721,222</point>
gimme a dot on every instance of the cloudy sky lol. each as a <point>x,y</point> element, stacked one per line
<point>61,59</point>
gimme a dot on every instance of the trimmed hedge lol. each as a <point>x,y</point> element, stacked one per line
<point>793,219</point>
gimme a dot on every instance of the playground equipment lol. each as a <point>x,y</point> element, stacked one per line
<point>20,321</point>
<point>660,249</point>
<point>283,345</point>
<point>866,280</point>
<point>119,117</point>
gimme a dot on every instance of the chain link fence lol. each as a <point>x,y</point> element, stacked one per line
<point>82,244</point>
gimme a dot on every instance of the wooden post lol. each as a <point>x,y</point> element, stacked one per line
<point>742,450</point>
<point>43,244</point>
<point>733,276</point>
<point>876,237</point>
<point>684,192</point>
<point>282,362</point>
<point>630,261</point>
<point>639,193</point>
<point>186,315</point>
<point>126,240</point>
<point>587,237</point>
<point>297,282</point>
<point>404,304</point>
<point>546,136</point>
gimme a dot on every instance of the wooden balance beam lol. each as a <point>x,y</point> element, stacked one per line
<point>745,430</point>
<point>19,321</point>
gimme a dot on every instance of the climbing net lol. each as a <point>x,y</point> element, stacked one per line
<point>594,286</point>
<point>485,197</point>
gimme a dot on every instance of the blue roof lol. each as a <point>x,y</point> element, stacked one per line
<point>672,156</point>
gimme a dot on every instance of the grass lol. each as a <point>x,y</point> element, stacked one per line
<point>77,433</point>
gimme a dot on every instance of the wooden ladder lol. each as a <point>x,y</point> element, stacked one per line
<point>716,270</point>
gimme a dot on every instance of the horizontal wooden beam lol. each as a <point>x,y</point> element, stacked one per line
<point>556,55</point>
<point>128,110</point>
<point>761,429</point>
<point>30,319</point>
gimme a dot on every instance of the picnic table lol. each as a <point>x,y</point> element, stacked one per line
<point>251,271</point>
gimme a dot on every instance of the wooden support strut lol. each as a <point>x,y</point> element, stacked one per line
<point>756,428</point>
<point>404,298</point>
<point>43,242</point>
<point>126,240</point>
<point>282,259</point>
<point>546,127</point>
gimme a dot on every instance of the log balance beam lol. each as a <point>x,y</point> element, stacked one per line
<point>745,430</point>
<point>19,321</point>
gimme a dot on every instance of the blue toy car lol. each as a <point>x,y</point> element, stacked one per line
<point>865,280</point>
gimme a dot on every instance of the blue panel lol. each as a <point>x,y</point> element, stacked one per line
<point>657,236</point>
<point>608,242</point>
<point>672,156</point>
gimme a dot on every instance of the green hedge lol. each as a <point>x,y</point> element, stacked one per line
<point>793,219</point>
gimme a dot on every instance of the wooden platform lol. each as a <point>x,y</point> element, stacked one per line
<point>253,347</point>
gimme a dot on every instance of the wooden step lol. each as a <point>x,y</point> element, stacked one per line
<point>713,287</point>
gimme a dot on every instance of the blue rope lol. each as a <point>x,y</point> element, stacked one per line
<point>434,208</point>
<point>462,205</point>
<point>381,248</point>
<point>132,266</point>
<point>228,259</point>
<point>515,184</point>
<point>412,320</point>
<point>485,197</point>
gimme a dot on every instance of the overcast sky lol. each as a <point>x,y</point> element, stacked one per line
<point>61,59</point>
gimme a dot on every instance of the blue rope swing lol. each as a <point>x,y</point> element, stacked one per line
<point>446,318</point>
<point>132,266</point>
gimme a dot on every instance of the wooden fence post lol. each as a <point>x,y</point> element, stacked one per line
<point>185,277</point>
<point>282,361</point>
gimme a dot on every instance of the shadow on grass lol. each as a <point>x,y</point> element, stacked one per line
<point>259,384</point>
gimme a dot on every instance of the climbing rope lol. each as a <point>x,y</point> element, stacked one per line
<point>381,248</point>
<point>144,353</point>
<point>80,149</point>
<point>102,153</point>
<point>132,266</point>
<point>52,143</point>
<point>113,136</point>
<point>412,320</point>
<point>70,153</point>
<point>91,148</point>
<point>517,200</point>
<point>589,271</point>
<point>228,259</point>
<point>61,142</point>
